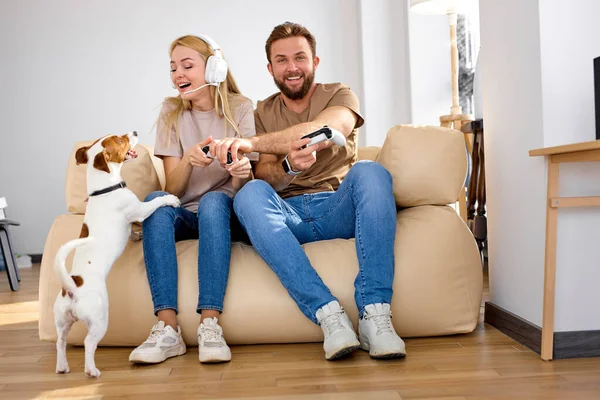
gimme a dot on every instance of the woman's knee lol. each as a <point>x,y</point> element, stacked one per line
<point>153,195</point>
<point>214,204</point>
<point>162,216</point>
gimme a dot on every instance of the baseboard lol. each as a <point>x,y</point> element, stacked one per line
<point>573,344</point>
<point>576,344</point>
<point>513,326</point>
<point>36,258</point>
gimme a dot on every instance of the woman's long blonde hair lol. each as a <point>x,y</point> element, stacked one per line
<point>230,93</point>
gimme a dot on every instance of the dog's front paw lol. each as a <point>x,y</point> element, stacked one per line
<point>92,372</point>
<point>171,200</point>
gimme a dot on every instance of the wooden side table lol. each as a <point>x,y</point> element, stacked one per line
<point>578,152</point>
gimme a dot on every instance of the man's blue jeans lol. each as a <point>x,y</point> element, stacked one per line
<point>363,208</point>
<point>214,225</point>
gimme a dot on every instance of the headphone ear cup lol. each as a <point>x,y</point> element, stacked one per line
<point>216,70</point>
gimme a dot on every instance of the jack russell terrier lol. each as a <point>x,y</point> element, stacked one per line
<point>111,209</point>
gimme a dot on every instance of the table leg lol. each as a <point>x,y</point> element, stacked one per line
<point>550,263</point>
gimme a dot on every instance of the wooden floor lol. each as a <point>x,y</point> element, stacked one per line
<point>482,365</point>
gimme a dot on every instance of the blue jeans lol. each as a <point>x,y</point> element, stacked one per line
<point>363,208</point>
<point>214,225</point>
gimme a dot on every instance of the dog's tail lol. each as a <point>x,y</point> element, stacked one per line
<point>61,257</point>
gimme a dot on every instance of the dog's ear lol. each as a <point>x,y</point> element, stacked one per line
<point>81,155</point>
<point>100,162</point>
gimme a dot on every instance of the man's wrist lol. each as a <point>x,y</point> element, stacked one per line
<point>252,144</point>
<point>287,167</point>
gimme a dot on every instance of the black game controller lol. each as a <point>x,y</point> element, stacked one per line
<point>206,150</point>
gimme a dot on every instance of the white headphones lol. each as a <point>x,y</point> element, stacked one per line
<point>216,66</point>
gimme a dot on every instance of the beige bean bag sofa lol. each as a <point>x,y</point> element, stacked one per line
<point>438,277</point>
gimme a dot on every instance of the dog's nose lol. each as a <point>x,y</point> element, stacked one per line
<point>134,133</point>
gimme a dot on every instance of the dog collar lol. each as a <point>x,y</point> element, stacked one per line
<point>109,189</point>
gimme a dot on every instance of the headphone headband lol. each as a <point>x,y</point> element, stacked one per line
<point>211,43</point>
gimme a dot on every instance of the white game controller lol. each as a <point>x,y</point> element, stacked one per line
<point>323,134</point>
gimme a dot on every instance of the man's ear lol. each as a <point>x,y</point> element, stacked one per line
<point>100,162</point>
<point>270,68</point>
<point>316,62</point>
<point>81,155</point>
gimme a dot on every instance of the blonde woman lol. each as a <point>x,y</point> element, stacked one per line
<point>209,107</point>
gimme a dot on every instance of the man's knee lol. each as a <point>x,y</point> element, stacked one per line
<point>371,172</point>
<point>252,193</point>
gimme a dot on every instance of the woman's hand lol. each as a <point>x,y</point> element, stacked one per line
<point>240,169</point>
<point>196,156</point>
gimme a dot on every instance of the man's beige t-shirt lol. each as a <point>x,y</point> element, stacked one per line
<point>196,126</point>
<point>333,163</point>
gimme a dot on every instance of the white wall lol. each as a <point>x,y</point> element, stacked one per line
<point>431,86</point>
<point>512,112</point>
<point>75,70</point>
<point>538,92</point>
<point>385,67</point>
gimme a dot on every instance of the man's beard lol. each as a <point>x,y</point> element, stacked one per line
<point>299,93</point>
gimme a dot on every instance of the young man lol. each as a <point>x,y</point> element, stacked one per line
<point>318,193</point>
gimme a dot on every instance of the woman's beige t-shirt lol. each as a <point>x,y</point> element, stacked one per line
<point>194,127</point>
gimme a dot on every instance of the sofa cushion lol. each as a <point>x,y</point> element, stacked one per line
<point>368,153</point>
<point>139,174</point>
<point>428,164</point>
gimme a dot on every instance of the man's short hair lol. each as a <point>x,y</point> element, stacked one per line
<point>290,29</point>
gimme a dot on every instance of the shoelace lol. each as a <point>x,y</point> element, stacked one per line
<point>383,322</point>
<point>333,323</point>
<point>211,334</point>
<point>155,334</point>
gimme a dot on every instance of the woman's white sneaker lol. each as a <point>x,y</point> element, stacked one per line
<point>340,338</point>
<point>162,343</point>
<point>377,334</point>
<point>212,347</point>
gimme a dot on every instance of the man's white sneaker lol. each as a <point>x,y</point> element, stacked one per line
<point>377,334</point>
<point>212,347</point>
<point>162,343</point>
<point>340,338</point>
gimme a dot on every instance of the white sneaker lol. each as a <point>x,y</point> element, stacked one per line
<point>162,343</point>
<point>212,347</point>
<point>340,338</point>
<point>377,334</point>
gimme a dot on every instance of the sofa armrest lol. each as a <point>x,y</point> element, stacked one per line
<point>428,164</point>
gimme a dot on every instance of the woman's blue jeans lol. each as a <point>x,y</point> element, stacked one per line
<point>363,208</point>
<point>214,225</point>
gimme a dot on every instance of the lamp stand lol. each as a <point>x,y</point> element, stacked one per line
<point>457,119</point>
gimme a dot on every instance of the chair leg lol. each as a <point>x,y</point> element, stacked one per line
<point>14,257</point>
<point>9,261</point>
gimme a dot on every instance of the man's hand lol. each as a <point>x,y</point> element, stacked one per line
<point>196,156</point>
<point>301,159</point>
<point>235,145</point>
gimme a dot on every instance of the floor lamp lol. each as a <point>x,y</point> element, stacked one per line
<point>456,119</point>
